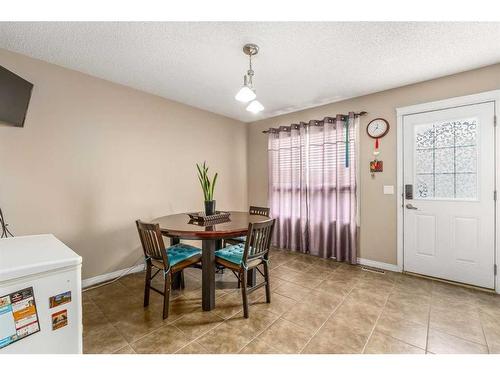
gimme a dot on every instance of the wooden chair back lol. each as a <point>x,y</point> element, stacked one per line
<point>262,211</point>
<point>258,240</point>
<point>152,242</point>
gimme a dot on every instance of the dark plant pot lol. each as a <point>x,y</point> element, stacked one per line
<point>209,207</point>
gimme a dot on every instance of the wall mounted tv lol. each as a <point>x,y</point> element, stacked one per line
<point>15,94</point>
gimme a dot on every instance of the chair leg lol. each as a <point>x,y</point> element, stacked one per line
<point>166,294</point>
<point>268,285</point>
<point>239,279</point>
<point>147,284</point>
<point>244,293</point>
<point>181,276</point>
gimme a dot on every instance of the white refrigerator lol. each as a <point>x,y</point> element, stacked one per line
<point>40,296</point>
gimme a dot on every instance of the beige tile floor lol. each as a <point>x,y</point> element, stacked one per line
<point>318,306</point>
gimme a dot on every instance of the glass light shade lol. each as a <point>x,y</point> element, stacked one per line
<point>255,107</point>
<point>245,94</point>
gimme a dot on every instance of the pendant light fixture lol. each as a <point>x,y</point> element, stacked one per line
<point>255,107</point>
<point>247,92</point>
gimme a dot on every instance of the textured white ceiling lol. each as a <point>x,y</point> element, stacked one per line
<point>299,65</point>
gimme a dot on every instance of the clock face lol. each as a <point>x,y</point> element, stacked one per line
<point>377,128</point>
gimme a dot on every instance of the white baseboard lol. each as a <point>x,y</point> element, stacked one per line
<point>380,265</point>
<point>110,276</point>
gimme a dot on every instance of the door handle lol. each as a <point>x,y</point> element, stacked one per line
<point>411,207</point>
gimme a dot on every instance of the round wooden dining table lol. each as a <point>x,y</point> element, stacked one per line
<point>180,226</point>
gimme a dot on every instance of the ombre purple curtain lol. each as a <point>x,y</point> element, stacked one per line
<point>312,187</point>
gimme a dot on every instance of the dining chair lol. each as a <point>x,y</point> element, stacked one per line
<point>247,256</point>
<point>167,260</point>
<point>253,210</point>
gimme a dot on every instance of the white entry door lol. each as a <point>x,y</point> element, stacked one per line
<point>449,185</point>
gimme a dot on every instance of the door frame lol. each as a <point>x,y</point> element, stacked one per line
<point>401,112</point>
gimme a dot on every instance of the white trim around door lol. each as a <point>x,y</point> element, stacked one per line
<point>489,96</point>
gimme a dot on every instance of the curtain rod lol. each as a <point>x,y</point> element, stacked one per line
<point>362,113</point>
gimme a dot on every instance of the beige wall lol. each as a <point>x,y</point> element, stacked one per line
<point>378,211</point>
<point>94,156</point>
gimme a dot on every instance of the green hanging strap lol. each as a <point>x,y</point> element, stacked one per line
<point>347,143</point>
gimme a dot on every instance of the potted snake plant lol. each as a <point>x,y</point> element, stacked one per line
<point>208,187</point>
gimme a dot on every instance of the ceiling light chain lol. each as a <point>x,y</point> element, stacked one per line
<point>250,73</point>
<point>247,92</point>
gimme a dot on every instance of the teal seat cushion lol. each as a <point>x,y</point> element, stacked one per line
<point>233,254</point>
<point>180,252</point>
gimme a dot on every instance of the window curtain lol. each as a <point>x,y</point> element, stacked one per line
<point>312,187</point>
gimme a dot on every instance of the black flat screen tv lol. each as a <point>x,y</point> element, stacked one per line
<point>15,94</point>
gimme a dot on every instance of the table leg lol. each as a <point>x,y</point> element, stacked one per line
<point>252,277</point>
<point>208,274</point>
<point>218,244</point>
<point>177,278</point>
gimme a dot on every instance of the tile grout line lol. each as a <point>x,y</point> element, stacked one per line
<point>461,338</point>
<point>225,320</point>
<point>484,334</point>
<point>260,333</point>
<point>350,294</point>
<point>207,332</point>
<point>116,351</point>
<point>301,286</point>
<point>202,334</point>
<point>329,316</point>
<point>274,322</point>
<point>378,317</point>
<point>196,338</point>
<point>314,288</point>
<point>333,311</point>
<point>212,329</point>
<point>107,320</point>
<point>194,341</point>
<point>429,319</point>
<point>171,323</point>
<point>455,335</point>
<point>401,341</point>
<point>162,324</point>
<point>482,328</point>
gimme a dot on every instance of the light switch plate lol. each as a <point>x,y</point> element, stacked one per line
<point>388,189</point>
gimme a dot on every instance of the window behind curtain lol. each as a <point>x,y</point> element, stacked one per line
<point>311,192</point>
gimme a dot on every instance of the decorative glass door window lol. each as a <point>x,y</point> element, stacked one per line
<point>446,160</point>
